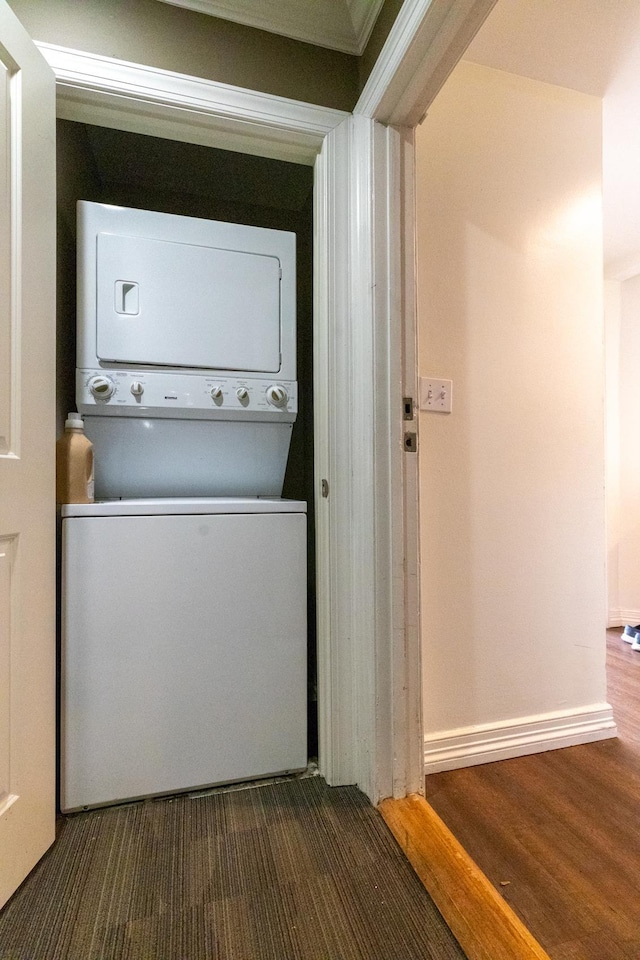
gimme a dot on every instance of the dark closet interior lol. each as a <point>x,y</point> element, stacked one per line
<point>134,170</point>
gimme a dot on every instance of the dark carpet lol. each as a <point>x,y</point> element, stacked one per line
<point>277,872</point>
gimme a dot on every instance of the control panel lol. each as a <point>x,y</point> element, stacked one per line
<point>148,393</point>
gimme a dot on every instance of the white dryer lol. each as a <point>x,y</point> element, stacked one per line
<point>184,656</point>
<point>186,353</point>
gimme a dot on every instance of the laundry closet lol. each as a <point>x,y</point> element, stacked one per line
<point>187,637</point>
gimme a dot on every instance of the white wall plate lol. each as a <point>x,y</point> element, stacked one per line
<point>436,394</point>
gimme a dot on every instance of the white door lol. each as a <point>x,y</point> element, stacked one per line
<point>27,495</point>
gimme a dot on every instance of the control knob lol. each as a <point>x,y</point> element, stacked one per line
<point>216,394</point>
<point>242,394</point>
<point>102,387</point>
<point>277,395</point>
<point>137,389</point>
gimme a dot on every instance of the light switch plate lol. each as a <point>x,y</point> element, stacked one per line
<point>436,394</point>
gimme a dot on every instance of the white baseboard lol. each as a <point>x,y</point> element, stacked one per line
<point>485,743</point>
<point>618,618</point>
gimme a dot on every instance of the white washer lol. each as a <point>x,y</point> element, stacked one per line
<point>184,645</point>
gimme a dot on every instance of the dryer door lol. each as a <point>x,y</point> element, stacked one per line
<point>184,305</point>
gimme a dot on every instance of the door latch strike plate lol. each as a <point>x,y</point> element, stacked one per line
<point>410,442</point>
<point>407,408</point>
<point>324,488</point>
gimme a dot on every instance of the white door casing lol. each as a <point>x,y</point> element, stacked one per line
<point>362,678</point>
<point>27,435</point>
<point>369,686</point>
<point>426,41</point>
<point>130,96</point>
<point>369,642</point>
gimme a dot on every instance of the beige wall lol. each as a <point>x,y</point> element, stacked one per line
<point>171,38</point>
<point>612,330</point>
<point>512,503</point>
<point>623,449</point>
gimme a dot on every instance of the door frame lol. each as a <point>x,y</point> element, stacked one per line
<point>369,663</point>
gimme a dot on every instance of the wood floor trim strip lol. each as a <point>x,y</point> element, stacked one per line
<point>484,925</point>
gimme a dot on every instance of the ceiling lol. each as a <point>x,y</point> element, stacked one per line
<point>592,46</point>
<point>573,43</point>
<point>338,24</point>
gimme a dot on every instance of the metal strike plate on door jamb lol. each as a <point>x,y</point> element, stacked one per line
<point>407,408</point>
<point>410,443</point>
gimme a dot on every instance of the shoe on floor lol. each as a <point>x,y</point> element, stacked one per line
<point>629,633</point>
<point>636,643</point>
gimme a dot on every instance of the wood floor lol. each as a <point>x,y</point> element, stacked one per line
<point>558,833</point>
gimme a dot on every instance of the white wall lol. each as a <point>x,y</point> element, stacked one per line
<point>512,500</point>
<point>621,155</point>
<point>623,450</point>
<point>594,47</point>
<point>612,329</point>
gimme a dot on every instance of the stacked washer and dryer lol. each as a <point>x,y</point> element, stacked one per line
<point>184,584</point>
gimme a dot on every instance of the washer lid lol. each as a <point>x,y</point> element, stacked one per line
<point>182,506</point>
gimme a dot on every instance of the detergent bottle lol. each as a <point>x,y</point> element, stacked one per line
<point>74,463</point>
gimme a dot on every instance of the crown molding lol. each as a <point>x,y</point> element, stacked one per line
<point>364,14</point>
<point>343,25</point>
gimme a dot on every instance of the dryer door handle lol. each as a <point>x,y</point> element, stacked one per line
<point>127,297</point>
